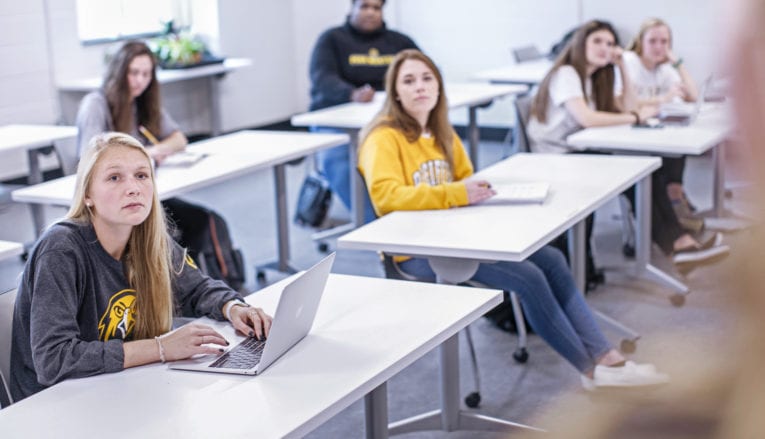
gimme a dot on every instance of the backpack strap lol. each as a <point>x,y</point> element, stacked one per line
<point>216,246</point>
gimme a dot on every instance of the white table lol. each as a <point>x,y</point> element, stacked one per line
<point>354,116</point>
<point>528,73</point>
<point>710,130</point>
<point>35,140</point>
<point>366,331</point>
<point>9,249</point>
<point>455,241</point>
<point>229,156</point>
<point>213,72</point>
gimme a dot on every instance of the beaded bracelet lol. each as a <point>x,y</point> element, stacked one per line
<point>161,349</point>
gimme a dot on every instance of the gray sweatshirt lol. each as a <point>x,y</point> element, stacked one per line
<point>74,308</point>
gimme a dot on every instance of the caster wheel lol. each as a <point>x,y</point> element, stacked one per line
<point>628,250</point>
<point>677,300</point>
<point>260,276</point>
<point>628,346</point>
<point>473,400</point>
<point>521,355</point>
<point>323,247</point>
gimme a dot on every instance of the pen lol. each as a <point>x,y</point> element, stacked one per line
<point>486,185</point>
<point>148,135</point>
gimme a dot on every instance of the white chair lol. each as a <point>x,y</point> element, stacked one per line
<point>7,302</point>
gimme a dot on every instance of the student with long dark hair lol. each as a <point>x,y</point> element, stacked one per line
<point>129,101</point>
<point>581,91</point>
<point>412,159</point>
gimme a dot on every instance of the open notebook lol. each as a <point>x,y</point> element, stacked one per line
<point>519,193</point>
<point>182,158</point>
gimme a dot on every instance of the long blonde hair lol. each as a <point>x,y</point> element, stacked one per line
<point>393,114</point>
<point>575,55</point>
<point>148,258</point>
<point>637,43</point>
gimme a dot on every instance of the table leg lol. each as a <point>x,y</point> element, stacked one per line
<point>450,417</point>
<point>473,134</point>
<point>577,247</point>
<point>718,158</point>
<point>720,218</point>
<point>282,226</point>
<point>376,412</point>
<point>215,119</point>
<point>357,194</point>
<point>643,241</point>
<point>36,177</point>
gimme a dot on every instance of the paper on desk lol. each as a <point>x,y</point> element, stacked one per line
<point>519,193</point>
<point>183,158</point>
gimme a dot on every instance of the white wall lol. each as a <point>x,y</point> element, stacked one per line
<point>26,87</point>
<point>461,46</point>
<point>39,45</point>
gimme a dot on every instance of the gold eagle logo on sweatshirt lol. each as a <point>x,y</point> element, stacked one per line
<point>119,318</point>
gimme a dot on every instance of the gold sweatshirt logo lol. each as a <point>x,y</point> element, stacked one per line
<point>372,58</point>
<point>190,262</point>
<point>119,318</point>
<point>433,173</point>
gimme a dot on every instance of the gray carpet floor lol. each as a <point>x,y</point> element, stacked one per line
<point>519,392</point>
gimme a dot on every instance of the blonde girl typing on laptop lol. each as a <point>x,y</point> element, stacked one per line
<point>412,159</point>
<point>659,77</point>
<point>100,289</point>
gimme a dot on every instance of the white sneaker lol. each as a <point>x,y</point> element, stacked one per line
<point>629,375</point>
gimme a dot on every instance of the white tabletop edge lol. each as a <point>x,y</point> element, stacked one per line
<point>9,249</point>
<point>399,365</point>
<point>360,240</point>
<point>164,76</point>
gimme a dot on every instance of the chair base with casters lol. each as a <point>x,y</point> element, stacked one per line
<point>521,355</point>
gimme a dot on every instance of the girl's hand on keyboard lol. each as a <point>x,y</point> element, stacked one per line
<point>251,321</point>
<point>190,340</point>
<point>478,190</point>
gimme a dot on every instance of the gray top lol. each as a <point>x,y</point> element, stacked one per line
<point>74,308</point>
<point>94,117</point>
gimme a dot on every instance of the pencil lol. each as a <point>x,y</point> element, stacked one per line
<point>148,135</point>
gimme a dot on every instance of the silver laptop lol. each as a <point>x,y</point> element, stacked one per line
<point>292,320</point>
<point>685,114</point>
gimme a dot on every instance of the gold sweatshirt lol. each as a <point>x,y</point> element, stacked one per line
<point>403,175</point>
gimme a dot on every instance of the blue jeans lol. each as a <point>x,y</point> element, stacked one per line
<point>335,167</point>
<point>553,305</point>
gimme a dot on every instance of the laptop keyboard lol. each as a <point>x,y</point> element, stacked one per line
<point>244,356</point>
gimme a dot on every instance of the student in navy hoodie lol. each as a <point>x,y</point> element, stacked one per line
<point>348,64</point>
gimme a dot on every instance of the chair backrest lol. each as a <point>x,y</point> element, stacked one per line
<point>522,115</point>
<point>7,302</point>
<point>526,53</point>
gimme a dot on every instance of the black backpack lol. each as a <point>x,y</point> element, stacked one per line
<point>313,201</point>
<point>503,317</point>
<point>206,236</point>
